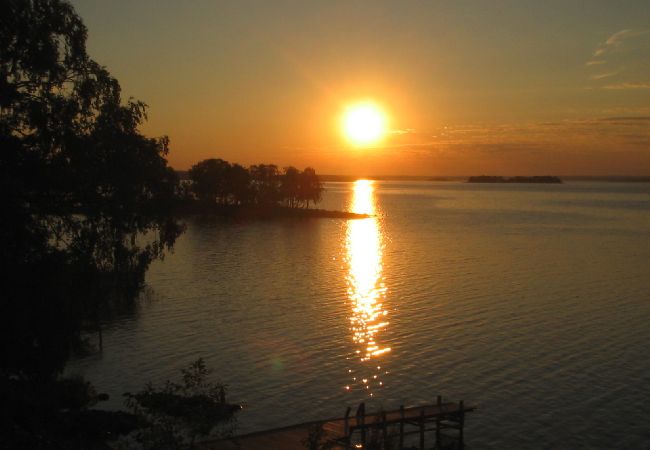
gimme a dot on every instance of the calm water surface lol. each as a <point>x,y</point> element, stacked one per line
<point>530,301</point>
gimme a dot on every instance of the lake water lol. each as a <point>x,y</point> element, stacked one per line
<point>531,302</point>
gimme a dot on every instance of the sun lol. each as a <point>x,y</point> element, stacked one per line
<point>364,123</point>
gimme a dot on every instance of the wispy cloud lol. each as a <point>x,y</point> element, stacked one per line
<point>634,119</point>
<point>403,131</point>
<point>613,141</point>
<point>622,86</point>
<point>624,56</point>
<point>616,39</point>
<point>600,76</point>
<point>613,132</point>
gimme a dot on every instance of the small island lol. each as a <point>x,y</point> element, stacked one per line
<point>546,179</point>
<point>215,187</point>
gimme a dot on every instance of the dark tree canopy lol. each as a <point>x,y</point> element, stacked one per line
<point>311,188</point>
<point>218,181</point>
<point>86,202</point>
<point>290,185</point>
<point>74,166</point>
<point>210,179</point>
<point>265,183</point>
<point>179,413</point>
<point>86,207</point>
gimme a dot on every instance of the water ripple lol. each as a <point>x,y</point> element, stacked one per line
<point>532,303</point>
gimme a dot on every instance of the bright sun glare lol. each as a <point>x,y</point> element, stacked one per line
<point>364,123</point>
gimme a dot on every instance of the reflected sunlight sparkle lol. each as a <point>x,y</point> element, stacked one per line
<point>366,290</point>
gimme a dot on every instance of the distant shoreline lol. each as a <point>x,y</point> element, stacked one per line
<point>461,179</point>
<point>456,178</point>
<point>547,179</point>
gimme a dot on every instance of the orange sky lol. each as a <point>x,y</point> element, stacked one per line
<point>470,87</point>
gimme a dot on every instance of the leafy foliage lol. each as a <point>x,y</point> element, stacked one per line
<point>86,207</point>
<point>178,413</point>
<point>215,181</point>
<point>81,186</point>
<point>318,439</point>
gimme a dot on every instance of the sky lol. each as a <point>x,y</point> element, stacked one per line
<point>469,87</point>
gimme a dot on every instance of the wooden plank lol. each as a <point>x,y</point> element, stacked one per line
<point>291,437</point>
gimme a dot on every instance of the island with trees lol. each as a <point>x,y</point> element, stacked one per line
<point>262,191</point>
<point>546,179</point>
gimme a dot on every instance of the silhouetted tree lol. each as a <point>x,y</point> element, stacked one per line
<point>210,180</point>
<point>179,413</point>
<point>215,181</point>
<point>86,201</point>
<point>310,187</point>
<point>239,182</point>
<point>290,186</point>
<point>265,179</point>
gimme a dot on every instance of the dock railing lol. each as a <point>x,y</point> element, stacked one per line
<point>437,419</point>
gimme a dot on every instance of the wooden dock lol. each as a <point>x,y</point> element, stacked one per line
<point>437,426</point>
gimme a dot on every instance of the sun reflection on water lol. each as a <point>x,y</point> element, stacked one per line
<point>366,290</point>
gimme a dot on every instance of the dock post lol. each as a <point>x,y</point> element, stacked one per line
<point>346,428</point>
<point>438,441</point>
<point>422,428</point>
<point>401,427</point>
<point>383,429</point>
<point>461,443</point>
<point>361,422</point>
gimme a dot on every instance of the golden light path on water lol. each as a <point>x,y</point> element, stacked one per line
<point>366,290</point>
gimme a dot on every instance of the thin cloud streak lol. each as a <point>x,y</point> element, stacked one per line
<point>600,76</point>
<point>626,58</point>
<point>532,137</point>
<point>627,119</point>
<point>616,39</point>
<point>403,131</point>
<point>627,85</point>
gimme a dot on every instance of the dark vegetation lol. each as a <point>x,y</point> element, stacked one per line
<point>215,181</point>
<point>263,191</point>
<point>89,203</point>
<point>175,415</point>
<point>495,179</point>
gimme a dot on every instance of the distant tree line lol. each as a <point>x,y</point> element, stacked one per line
<point>519,179</point>
<point>215,181</point>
